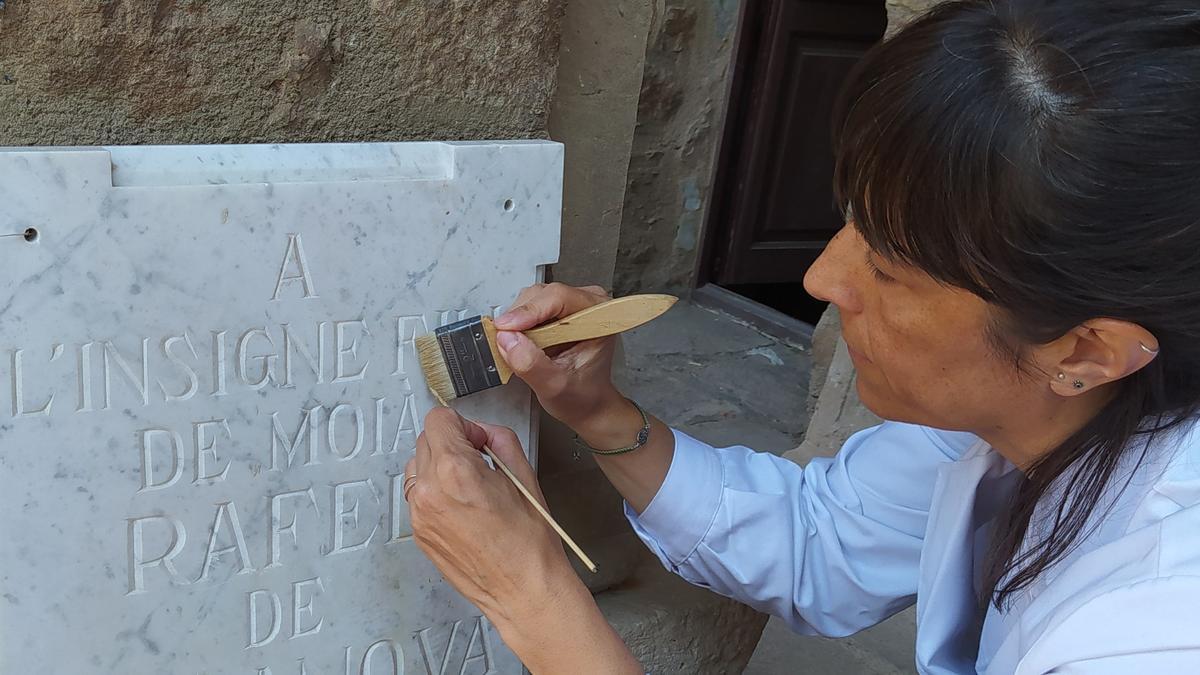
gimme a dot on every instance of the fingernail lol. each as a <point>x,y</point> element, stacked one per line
<point>507,340</point>
<point>506,319</point>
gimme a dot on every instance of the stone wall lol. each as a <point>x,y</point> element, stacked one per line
<point>193,71</point>
<point>593,113</point>
<point>683,100</point>
<point>901,12</point>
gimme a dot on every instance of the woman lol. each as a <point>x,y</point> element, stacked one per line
<point>1019,285</point>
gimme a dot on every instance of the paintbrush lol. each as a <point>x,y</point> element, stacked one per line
<point>462,358</point>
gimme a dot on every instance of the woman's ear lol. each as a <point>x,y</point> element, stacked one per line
<point>1098,352</point>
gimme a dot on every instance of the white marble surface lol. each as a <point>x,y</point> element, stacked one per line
<point>159,346</point>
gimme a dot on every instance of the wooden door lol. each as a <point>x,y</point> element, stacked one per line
<point>774,209</point>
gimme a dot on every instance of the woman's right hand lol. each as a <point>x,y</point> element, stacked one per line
<point>572,384</point>
<point>575,386</point>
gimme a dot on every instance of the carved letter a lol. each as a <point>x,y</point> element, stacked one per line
<point>294,257</point>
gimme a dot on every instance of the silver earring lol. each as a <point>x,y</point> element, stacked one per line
<point>1078,384</point>
<point>1062,377</point>
<point>1151,352</point>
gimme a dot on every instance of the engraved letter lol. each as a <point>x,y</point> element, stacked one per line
<point>397,666</point>
<point>138,564</point>
<point>340,339</point>
<point>18,390</point>
<point>306,432</point>
<point>316,364</point>
<point>407,429</point>
<point>206,448</point>
<point>299,608</point>
<point>218,363</point>
<point>267,361</point>
<point>295,256</point>
<point>85,378</point>
<point>140,381</point>
<point>193,381</point>
<point>331,431</point>
<point>277,526</point>
<point>176,443</point>
<point>226,511</point>
<point>449,316</point>
<point>479,636</point>
<point>257,639</point>
<point>341,514</point>
<point>398,510</point>
<point>378,425</point>
<point>407,329</point>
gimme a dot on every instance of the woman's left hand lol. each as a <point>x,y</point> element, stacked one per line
<point>496,550</point>
<point>473,523</point>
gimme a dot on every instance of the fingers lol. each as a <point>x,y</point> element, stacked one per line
<point>540,305</point>
<point>597,291</point>
<point>423,457</point>
<point>444,430</point>
<point>448,450</point>
<point>531,364</point>
<point>409,478</point>
<point>447,431</point>
<point>449,459</point>
<point>504,442</point>
<point>526,294</point>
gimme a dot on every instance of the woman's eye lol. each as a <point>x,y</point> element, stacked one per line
<point>879,274</point>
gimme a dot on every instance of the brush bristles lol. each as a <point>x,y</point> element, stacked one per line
<point>433,365</point>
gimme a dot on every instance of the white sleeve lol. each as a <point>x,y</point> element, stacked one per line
<point>831,548</point>
<point>1147,627</point>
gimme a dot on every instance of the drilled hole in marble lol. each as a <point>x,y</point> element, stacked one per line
<point>31,234</point>
<point>509,205</point>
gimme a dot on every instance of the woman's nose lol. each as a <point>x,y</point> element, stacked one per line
<point>831,277</point>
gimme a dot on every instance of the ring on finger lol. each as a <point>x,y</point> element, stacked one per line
<point>409,482</point>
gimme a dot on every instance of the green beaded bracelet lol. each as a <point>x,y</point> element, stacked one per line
<point>642,437</point>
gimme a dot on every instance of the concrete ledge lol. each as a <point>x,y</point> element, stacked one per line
<point>762,318</point>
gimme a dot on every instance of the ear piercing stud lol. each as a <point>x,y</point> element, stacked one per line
<point>1078,384</point>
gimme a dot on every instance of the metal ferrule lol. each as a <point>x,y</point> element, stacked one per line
<point>468,356</point>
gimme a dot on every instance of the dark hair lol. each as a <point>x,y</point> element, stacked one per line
<point>1045,156</point>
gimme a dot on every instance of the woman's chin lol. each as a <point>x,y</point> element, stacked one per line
<point>880,404</point>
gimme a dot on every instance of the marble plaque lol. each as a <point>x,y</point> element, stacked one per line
<point>210,393</point>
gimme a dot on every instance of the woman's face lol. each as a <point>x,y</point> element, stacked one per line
<point>921,349</point>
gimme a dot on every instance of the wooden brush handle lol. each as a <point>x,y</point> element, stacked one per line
<point>608,318</point>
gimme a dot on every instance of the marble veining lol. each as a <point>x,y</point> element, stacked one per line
<point>210,393</point>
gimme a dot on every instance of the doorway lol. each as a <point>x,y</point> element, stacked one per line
<point>773,210</point>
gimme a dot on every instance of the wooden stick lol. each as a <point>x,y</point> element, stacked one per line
<point>583,557</point>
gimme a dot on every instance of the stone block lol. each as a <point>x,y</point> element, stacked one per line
<point>188,71</point>
<point>590,509</point>
<point>674,627</point>
<point>212,394</point>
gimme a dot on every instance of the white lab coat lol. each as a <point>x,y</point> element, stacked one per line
<point>901,515</point>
